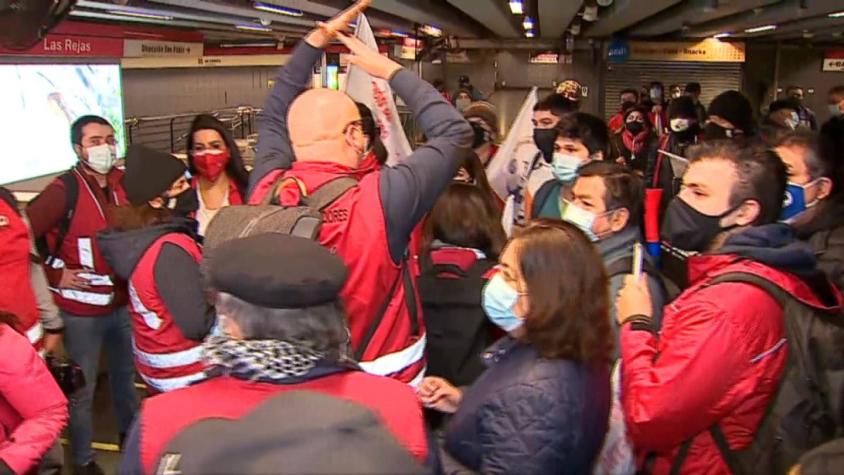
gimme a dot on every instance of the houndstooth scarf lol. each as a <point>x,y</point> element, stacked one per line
<point>265,360</point>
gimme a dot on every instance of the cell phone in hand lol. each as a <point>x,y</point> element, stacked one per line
<point>638,256</point>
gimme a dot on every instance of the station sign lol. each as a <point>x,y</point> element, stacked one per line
<point>160,49</point>
<point>618,51</point>
<point>833,60</point>
<point>708,51</point>
<point>545,57</point>
<point>73,46</point>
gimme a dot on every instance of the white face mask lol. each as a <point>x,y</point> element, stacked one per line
<point>793,121</point>
<point>101,158</point>
<point>679,125</point>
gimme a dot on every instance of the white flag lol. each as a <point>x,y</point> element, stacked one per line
<point>513,159</point>
<point>378,96</point>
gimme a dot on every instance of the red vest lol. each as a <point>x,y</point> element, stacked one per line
<point>234,192</point>
<point>79,248</point>
<point>16,295</point>
<point>165,359</point>
<point>164,416</point>
<point>354,228</point>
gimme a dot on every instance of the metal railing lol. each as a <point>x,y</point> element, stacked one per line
<point>169,132</point>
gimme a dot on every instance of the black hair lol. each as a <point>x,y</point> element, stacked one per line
<point>693,87</point>
<point>837,91</point>
<point>629,91</point>
<point>641,110</point>
<point>624,187</point>
<point>78,126</point>
<point>590,130</point>
<point>235,169</point>
<point>556,104</point>
<point>371,130</point>
<point>762,175</point>
<point>781,104</point>
<point>792,87</point>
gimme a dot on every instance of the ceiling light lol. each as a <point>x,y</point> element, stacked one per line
<point>249,45</point>
<point>516,7</point>
<point>590,13</point>
<point>721,35</point>
<point>151,16</point>
<point>431,30</point>
<point>270,8</point>
<point>260,28</point>
<point>575,28</point>
<point>760,29</point>
<point>529,34</point>
<point>399,34</point>
<point>528,23</point>
<point>836,15</point>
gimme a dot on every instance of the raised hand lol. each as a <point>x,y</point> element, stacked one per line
<point>368,59</point>
<point>326,31</point>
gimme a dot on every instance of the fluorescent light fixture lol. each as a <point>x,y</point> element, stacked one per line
<point>836,15</point>
<point>516,7</point>
<point>150,16</point>
<point>760,29</point>
<point>248,45</point>
<point>399,34</point>
<point>270,8</point>
<point>431,30</point>
<point>529,34</point>
<point>528,23</point>
<point>721,35</point>
<point>260,28</point>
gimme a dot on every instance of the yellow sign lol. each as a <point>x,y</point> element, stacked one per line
<point>709,50</point>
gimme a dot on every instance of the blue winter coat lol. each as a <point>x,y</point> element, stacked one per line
<point>530,415</point>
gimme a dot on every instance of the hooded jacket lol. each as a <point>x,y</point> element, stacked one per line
<point>720,353</point>
<point>825,234</point>
<point>170,316</point>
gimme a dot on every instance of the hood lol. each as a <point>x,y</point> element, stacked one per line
<point>829,217</point>
<point>123,249</point>
<point>774,245</point>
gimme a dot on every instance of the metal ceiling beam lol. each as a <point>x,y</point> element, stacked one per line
<point>694,13</point>
<point>810,24</point>
<point>625,13</point>
<point>424,12</point>
<point>555,16</point>
<point>789,10</point>
<point>248,13</point>
<point>491,14</point>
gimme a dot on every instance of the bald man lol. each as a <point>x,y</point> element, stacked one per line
<point>318,135</point>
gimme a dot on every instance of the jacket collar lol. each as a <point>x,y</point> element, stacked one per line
<point>502,348</point>
<point>620,242</point>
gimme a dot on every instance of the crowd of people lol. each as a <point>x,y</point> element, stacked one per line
<point>666,299</point>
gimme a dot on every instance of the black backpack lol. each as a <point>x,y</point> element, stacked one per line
<point>457,327</point>
<point>71,187</point>
<point>805,411</point>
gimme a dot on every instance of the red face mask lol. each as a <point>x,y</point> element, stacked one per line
<point>211,163</point>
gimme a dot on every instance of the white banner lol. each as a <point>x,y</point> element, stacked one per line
<point>378,96</point>
<point>514,158</point>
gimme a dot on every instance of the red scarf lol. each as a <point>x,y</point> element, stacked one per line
<point>635,143</point>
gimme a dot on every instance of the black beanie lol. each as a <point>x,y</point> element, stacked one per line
<point>684,107</point>
<point>733,107</point>
<point>149,173</point>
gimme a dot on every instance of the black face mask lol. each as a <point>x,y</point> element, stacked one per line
<point>688,229</point>
<point>185,203</point>
<point>627,105</point>
<point>714,131</point>
<point>635,128</point>
<point>544,140</point>
<point>481,135</point>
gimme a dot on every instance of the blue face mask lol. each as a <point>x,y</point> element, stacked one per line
<point>584,220</point>
<point>795,201</point>
<point>498,301</point>
<point>564,167</point>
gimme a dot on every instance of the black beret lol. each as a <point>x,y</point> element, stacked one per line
<point>149,173</point>
<point>277,271</point>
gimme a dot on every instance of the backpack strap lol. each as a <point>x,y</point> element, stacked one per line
<point>10,199</point>
<point>71,188</point>
<point>330,192</point>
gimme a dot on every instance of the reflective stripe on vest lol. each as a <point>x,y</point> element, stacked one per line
<point>89,298</point>
<point>395,362</point>
<point>164,385</point>
<point>92,278</point>
<point>35,333</point>
<point>150,318</point>
<point>168,360</point>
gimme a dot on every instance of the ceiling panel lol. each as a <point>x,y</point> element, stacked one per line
<point>789,10</point>
<point>244,12</point>
<point>555,16</point>
<point>491,14</point>
<point>625,13</point>
<point>694,13</point>
<point>329,11</point>
<point>425,12</point>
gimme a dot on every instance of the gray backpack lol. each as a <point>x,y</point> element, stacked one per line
<point>303,220</point>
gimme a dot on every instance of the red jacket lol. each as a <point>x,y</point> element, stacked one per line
<point>79,248</point>
<point>355,228</point>
<point>33,410</point>
<point>616,123</point>
<point>164,416</point>
<point>16,294</point>
<point>718,359</point>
